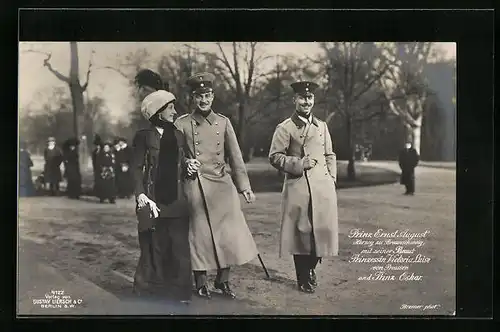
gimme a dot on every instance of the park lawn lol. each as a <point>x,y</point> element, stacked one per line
<point>94,239</point>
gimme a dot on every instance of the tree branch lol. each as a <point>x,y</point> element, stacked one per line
<point>47,64</point>
<point>115,70</point>
<point>251,69</point>
<point>225,61</point>
<point>237,78</point>
<point>84,86</point>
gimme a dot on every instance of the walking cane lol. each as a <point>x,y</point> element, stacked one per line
<point>263,266</point>
<point>193,156</point>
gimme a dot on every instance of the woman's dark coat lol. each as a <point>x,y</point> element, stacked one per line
<point>408,160</point>
<point>53,159</point>
<point>72,173</point>
<point>106,188</point>
<point>26,187</point>
<point>164,267</point>
<point>124,181</point>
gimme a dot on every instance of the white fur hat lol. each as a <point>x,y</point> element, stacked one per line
<point>154,101</point>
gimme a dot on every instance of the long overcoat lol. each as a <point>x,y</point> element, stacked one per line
<point>306,190</point>
<point>26,187</point>
<point>218,230</point>
<point>51,170</point>
<point>145,160</point>
<point>164,264</point>
<point>408,160</point>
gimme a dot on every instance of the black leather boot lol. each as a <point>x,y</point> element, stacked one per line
<point>225,289</point>
<point>306,288</point>
<point>204,292</point>
<point>312,278</point>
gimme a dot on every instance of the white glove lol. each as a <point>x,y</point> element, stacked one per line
<point>142,200</point>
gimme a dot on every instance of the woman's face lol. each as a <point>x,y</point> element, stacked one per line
<point>169,113</point>
<point>106,148</point>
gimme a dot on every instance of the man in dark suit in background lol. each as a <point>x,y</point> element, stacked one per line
<point>408,160</point>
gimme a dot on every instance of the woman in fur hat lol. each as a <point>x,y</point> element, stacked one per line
<point>164,267</point>
<point>106,163</point>
<point>72,168</point>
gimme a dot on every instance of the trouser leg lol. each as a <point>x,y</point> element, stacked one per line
<point>200,278</point>
<point>302,264</point>
<point>222,275</point>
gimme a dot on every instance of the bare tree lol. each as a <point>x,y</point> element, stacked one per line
<point>405,77</point>
<point>75,86</point>
<point>352,71</point>
<point>240,69</point>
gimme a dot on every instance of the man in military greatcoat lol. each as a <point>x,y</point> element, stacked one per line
<point>219,235</point>
<point>302,149</point>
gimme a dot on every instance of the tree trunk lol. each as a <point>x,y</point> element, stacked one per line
<point>416,134</point>
<point>241,132</point>
<point>77,101</point>
<point>351,169</point>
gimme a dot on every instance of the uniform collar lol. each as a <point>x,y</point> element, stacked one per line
<point>199,118</point>
<point>299,123</point>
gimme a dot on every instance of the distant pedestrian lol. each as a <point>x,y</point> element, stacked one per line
<point>26,187</point>
<point>124,182</point>
<point>95,166</point>
<point>408,160</point>
<point>106,186</point>
<point>147,82</point>
<point>72,168</point>
<point>52,171</point>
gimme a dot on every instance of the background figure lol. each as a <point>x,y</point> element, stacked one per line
<point>408,160</point>
<point>52,171</point>
<point>117,153</point>
<point>124,182</point>
<point>72,168</point>
<point>26,187</point>
<point>95,166</point>
<point>147,82</point>
<point>106,184</point>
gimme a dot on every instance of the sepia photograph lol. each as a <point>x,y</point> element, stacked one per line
<point>237,178</point>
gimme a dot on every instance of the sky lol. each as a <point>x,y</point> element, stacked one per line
<point>36,82</point>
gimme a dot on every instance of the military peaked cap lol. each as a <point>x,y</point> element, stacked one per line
<point>304,87</point>
<point>201,82</point>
